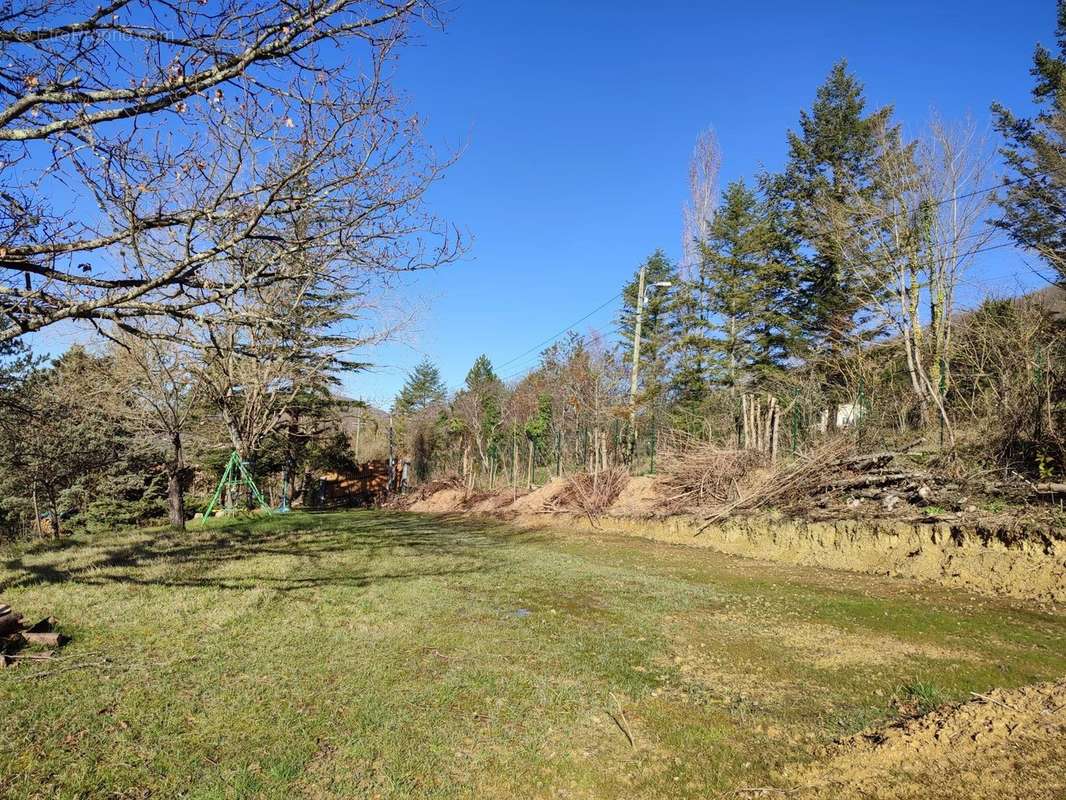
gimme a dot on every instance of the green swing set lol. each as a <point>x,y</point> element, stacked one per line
<point>234,478</point>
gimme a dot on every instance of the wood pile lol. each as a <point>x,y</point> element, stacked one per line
<point>20,641</point>
<point>717,482</point>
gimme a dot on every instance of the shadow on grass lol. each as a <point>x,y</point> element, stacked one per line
<point>421,546</point>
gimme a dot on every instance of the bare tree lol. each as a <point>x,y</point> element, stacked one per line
<point>698,211</point>
<point>182,133</point>
<point>152,385</point>
<point>912,240</point>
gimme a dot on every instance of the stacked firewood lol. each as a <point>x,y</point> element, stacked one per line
<point>16,635</point>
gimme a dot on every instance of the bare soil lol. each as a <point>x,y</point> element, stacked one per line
<point>1003,744</point>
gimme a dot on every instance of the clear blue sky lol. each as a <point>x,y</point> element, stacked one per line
<point>578,120</point>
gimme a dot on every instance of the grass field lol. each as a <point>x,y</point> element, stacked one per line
<point>371,654</point>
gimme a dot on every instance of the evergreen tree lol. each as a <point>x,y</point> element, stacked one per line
<point>747,290</point>
<point>478,409</point>
<point>424,388</point>
<point>656,326</point>
<point>692,345</point>
<point>832,161</point>
<point>1034,208</point>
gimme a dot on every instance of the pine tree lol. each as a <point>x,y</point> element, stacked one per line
<point>1034,208</point>
<point>746,289</point>
<point>479,409</point>
<point>832,159</point>
<point>423,389</point>
<point>692,346</point>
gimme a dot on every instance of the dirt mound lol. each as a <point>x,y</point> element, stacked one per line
<point>640,497</point>
<point>540,499</point>
<point>1005,744</point>
<point>440,501</point>
<point>493,502</point>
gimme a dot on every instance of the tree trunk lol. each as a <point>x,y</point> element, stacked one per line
<point>53,507</point>
<point>175,491</point>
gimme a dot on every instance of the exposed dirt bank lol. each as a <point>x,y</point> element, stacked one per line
<point>992,557</point>
<point>1006,744</point>
<point>988,559</point>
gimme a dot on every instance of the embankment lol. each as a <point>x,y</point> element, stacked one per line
<point>1006,558</point>
<point>983,558</point>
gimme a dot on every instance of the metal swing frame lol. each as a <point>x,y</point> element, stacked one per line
<point>235,476</point>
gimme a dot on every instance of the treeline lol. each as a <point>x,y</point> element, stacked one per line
<point>822,296</point>
<point>825,295</point>
<point>139,432</point>
<point>230,228</point>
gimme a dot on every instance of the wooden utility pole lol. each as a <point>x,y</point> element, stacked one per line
<point>636,365</point>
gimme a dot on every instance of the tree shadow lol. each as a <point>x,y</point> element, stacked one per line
<point>407,546</point>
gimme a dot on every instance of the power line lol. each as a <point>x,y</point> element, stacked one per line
<point>530,366</point>
<point>565,330</point>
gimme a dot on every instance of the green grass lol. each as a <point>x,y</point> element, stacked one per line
<point>372,654</point>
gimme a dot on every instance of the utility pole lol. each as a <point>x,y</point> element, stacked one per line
<point>358,427</point>
<point>636,366</point>
<point>642,300</point>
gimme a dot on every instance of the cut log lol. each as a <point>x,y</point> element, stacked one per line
<point>864,461</point>
<point>49,639</point>
<point>1051,488</point>
<point>46,625</point>
<point>871,480</point>
<point>10,622</point>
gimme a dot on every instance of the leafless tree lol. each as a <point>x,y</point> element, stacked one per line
<point>182,133</point>
<point>698,211</point>
<point>913,239</point>
<point>153,386</point>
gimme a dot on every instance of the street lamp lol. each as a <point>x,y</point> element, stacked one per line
<point>642,300</point>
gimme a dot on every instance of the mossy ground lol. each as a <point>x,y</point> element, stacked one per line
<point>371,654</point>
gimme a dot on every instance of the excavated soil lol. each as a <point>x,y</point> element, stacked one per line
<point>440,502</point>
<point>993,557</point>
<point>1006,744</point>
<point>540,499</point>
<point>638,498</point>
<point>985,558</point>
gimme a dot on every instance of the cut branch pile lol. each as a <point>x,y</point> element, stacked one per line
<point>593,493</point>
<point>786,486</point>
<point>700,477</point>
<point>16,636</point>
<point>696,474</point>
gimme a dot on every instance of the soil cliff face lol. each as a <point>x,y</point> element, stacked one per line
<point>987,559</point>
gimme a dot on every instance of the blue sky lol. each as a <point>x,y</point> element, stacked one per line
<point>577,121</point>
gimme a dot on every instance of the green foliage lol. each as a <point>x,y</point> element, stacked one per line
<point>748,289</point>
<point>424,388</point>
<point>538,427</point>
<point>1034,205</point>
<point>832,161</point>
<point>918,697</point>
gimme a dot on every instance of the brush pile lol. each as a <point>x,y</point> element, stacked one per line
<point>593,493</point>
<point>793,486</point>
<point>715,482</point>
<point>696,474</point>
<point>16,636</point>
